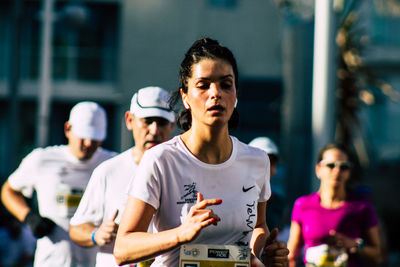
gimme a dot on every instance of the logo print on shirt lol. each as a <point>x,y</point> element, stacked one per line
<point>63,171</point>
<point>247,189</point>
<point>190,194</point>
<point>250,222</point>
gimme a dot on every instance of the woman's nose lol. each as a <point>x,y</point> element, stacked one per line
<point>215,90</point>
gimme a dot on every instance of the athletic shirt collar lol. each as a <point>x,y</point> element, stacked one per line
<point>202,164</point>
<point>72,158</point>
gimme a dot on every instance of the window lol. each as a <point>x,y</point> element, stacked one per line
<point>386,22</point>
<point>84,41</point>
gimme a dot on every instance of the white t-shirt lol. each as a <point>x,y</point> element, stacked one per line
<point>59,179</point>
<point>106,192</point>
<point>169,176</point>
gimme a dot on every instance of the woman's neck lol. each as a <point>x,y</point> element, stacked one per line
<point>209,145</point>
<point>332,198</point>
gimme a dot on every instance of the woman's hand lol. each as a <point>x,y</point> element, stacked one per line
<point>339,240</point>
<point>275,252</point>
<point>198,218</point>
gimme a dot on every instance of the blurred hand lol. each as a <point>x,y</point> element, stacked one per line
<point>39,225</point>
<point>340,240</point>
<point>107,231</point>
<point>275,252</point>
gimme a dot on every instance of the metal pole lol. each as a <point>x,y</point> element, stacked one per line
<point>44,96</point>
<point>14,79</point>
<point>323,78</point>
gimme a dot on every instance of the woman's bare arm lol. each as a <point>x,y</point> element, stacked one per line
<point>294,243</point>
<point>134,243</point>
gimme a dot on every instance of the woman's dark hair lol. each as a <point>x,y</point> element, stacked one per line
<point>338,146</point>
<point>204,48</point>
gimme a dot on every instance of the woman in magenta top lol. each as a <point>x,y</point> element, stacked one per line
<point>333,219</point>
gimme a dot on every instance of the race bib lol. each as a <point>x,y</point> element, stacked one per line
<point>67,199</point>
<point>325,256</point>
<point>196,255</point>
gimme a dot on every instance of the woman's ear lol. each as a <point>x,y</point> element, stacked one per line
<point>236,102</point>
<point>185,103</point>
<point>317,171</point>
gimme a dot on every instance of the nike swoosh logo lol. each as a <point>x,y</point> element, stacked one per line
<point>247,189</point>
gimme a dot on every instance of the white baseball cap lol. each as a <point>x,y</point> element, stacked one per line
<point>265,144</point>
<point>152,102</point>
<point>88,121</point>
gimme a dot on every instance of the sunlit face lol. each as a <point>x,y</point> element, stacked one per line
<point>81,148</point>
<point>148,132</point>
<point>333,170</point>
<point>211,92</point>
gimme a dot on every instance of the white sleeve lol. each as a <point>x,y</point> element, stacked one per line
<point>24,177</point>
<point>91,206</point>
<point>146,182</point>
<point>265,193</point>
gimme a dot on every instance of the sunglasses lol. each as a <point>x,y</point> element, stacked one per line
<point>342,165</point>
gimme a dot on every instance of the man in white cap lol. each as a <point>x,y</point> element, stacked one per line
<point>96,220</point>
<point>272,150</point>
<point>59,174</point>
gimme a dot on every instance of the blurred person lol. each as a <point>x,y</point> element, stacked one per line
<point>203,186</point>
<point>59,175</point>
<point>96,220</point>
<point>18,243</point>
<point>276,203</point>
<point>336,226</point>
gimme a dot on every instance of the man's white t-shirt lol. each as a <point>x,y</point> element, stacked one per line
<point>59,179</point>
<point>105,193</point>
<point>169,176</point>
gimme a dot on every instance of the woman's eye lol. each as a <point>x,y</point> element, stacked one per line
<point>226,85</point>
<point>203,85</point>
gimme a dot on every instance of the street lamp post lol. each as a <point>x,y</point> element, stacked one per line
<point>323,98</point>
<point>44,96</point>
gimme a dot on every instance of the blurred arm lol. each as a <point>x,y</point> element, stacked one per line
<point>372,248</point>
<point>294,243</point>
<point>14,202</point>
<point>82,234</point>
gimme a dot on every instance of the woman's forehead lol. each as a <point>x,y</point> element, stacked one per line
<point>334,153</point>
<point>208,68</point>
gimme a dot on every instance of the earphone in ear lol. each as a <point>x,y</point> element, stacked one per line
<point>186,104</point>
<point>236,102</point>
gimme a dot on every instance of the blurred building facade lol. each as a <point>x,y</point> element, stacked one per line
<point>110,48</point>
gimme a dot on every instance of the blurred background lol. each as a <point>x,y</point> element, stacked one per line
<point>309,75</point>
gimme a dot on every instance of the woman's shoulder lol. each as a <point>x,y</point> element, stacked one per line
<point>306,200</point>
<point>359,199</point>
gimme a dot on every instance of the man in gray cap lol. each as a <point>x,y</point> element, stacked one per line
<point>96,220</point>
<point>59,174</point>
